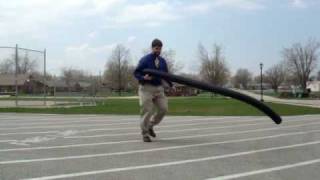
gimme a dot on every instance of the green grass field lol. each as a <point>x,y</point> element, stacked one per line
<point>202,106</point>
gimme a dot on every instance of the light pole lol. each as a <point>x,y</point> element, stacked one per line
<point>261,81</point>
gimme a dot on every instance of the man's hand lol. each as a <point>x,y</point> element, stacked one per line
<point>147,77</point>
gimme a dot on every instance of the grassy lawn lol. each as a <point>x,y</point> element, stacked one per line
<point>177,106</point>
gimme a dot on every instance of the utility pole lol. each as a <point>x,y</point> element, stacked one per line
<point>16,75</point>
<point>45,77</point>
<point>261,82</point>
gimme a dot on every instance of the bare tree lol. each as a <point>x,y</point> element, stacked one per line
<point>213,67</point>
<point>170,56</point>
<point>117,68</point>
<point>133,84</point>
<point>242,78</point>
<point>190,75</point>
<point>71,76</point>
<point>275,76</point>
<point>318,76</point>
<point>302,60</point>
<point>26,65</point>
<point>7,67</point>
<point>257,79</point>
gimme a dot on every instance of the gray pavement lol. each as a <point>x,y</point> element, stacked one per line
<point>38,146</point>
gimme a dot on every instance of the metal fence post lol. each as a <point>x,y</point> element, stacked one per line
<point>45,77</point>
<point>16,75</point>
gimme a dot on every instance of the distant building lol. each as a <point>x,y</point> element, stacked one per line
<point>313,86</point>
<point>183,90</point>
<point>257,86</point>
<point>57,85</point>
<point>60,86</point>
<point>25,83</point>
<point>285,87</point>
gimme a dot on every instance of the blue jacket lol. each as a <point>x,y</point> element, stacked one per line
<point>148,62</point>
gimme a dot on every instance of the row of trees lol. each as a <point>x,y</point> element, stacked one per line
<point>25,65</point>
<point>299,61</point>
<point>118,74</point>
<point>296,68</point>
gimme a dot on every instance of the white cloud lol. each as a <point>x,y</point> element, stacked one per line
<point>147,14</point>
<point>86,48</point>
<point>131,39</point>
<point>92,34</point>
<point>100,6</point>
<point>198,7</point>
<point>154,14</point>
<point>26,20</point>
<point>298,3</point>
<point>91,58</point>
<point>242,4</point>
<point>84,56</point>
<point>35,16</point>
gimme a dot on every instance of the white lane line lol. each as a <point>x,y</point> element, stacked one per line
<point>62,123</point>
<point>92,130</point>
<point>28,133</point>
<point>73,126</point>
<point>57,116</point>
<point>191,124</point>
<point>70,136</point>
<point>172,163</point>
<point>67,124</point>
<point>267,170</point>
<point>39,115</point>
<point>62,119</point>
<point>119,122</point>
<point>181,130</point>
<point>5,141</point>
<point>122,128</point>
<point>158,149</point>
<point>108,129</point>
<point>166,131</point>
<point>36,127</point>
<point>65,118</point>
<point>135,141</point>
<point>102,135</point>
<point>105,118</point>
<point>67,121</point>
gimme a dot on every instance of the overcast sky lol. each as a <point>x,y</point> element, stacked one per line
<point>81,33</point>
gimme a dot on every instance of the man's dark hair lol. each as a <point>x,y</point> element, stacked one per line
<point>156,43</point>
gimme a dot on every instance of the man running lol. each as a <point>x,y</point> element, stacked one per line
<point>152,99</point>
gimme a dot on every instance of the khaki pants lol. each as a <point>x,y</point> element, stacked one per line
<point>153,104</point>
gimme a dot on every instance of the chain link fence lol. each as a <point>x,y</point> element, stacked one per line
<point>22,77</point>
<point>25,82</point>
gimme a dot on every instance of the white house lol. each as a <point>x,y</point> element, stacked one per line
<point>314,86</point>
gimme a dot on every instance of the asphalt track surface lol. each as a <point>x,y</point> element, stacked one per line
<point>37,146</point>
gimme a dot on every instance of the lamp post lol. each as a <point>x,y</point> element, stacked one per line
<point>261,81</point>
